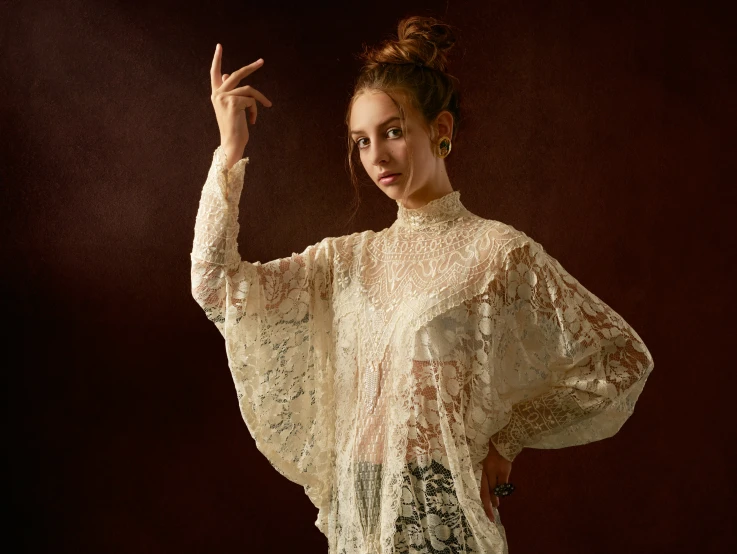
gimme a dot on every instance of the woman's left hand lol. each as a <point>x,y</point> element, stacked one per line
<point>495,470</point>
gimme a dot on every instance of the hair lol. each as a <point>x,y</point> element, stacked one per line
<point>412,71</point>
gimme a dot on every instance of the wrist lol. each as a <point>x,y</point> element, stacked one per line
<point>502,446</point>
<point>233,152</point>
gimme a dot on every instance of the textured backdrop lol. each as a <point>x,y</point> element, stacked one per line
<point>604,130</point>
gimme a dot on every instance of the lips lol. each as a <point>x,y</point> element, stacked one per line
<point>389,179</point>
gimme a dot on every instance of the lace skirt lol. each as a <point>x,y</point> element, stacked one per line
<point>431,519</point>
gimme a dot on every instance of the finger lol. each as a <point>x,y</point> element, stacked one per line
<point>215,81</point>
<point>502,477</point>
<point>253,107</point>
<point>485,496</point>
<point>492,471</point>
<point>248,105</point>
<point>248,90</point>
<point>240,74</point>
<point>225,76</point>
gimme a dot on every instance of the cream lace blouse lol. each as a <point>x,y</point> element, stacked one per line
<point>373,369</point>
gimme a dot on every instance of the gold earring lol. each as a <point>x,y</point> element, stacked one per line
<point>444,147</point>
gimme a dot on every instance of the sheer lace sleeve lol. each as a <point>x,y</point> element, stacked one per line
<point>568,366</point>
<point>215,247</point>
<point>276,319</point>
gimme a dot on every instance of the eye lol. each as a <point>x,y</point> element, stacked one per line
<point>396,130</point>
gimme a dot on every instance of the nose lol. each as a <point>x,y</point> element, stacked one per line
<point>379,154</point>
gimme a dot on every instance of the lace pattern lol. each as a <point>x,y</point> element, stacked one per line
<point>375,368</point>
<point>436,211</point>
<point>561,338</point>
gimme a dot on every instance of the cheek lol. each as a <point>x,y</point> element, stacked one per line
<point>400,151</point>
<point>364,161</point>
<point>419,158</point>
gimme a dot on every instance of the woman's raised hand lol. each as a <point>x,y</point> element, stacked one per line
<point>231,104</point>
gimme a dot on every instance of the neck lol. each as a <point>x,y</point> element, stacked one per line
<point>435,212</point>
<point>423,196</point>
<point>436,188</point>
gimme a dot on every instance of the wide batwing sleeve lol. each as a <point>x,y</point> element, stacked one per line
<point>276,319</point>
<point>568,368</point>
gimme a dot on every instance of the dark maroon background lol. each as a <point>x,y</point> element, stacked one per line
<point>604,130</point>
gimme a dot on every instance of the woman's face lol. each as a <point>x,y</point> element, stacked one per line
<point>376,129</point>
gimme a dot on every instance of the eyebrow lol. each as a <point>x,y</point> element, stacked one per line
<point>393,118</point>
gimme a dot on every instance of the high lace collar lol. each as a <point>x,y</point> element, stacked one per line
<point>441,209</point>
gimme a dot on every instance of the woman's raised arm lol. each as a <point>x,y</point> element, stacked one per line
<point>276,319</point>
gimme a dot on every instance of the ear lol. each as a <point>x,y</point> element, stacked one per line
<point>443,125</point>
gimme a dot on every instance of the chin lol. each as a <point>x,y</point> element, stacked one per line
<point>395,193</point>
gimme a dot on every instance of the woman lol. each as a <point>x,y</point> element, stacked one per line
<point>397,374</point>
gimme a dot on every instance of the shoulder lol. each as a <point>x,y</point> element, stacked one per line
<point>344,246</point>
<point>351,240</point>
<point>503,238</point>
<point>518,251</point>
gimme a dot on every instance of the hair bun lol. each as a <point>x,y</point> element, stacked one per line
<point>430,37</point>
<point>420,40</point>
